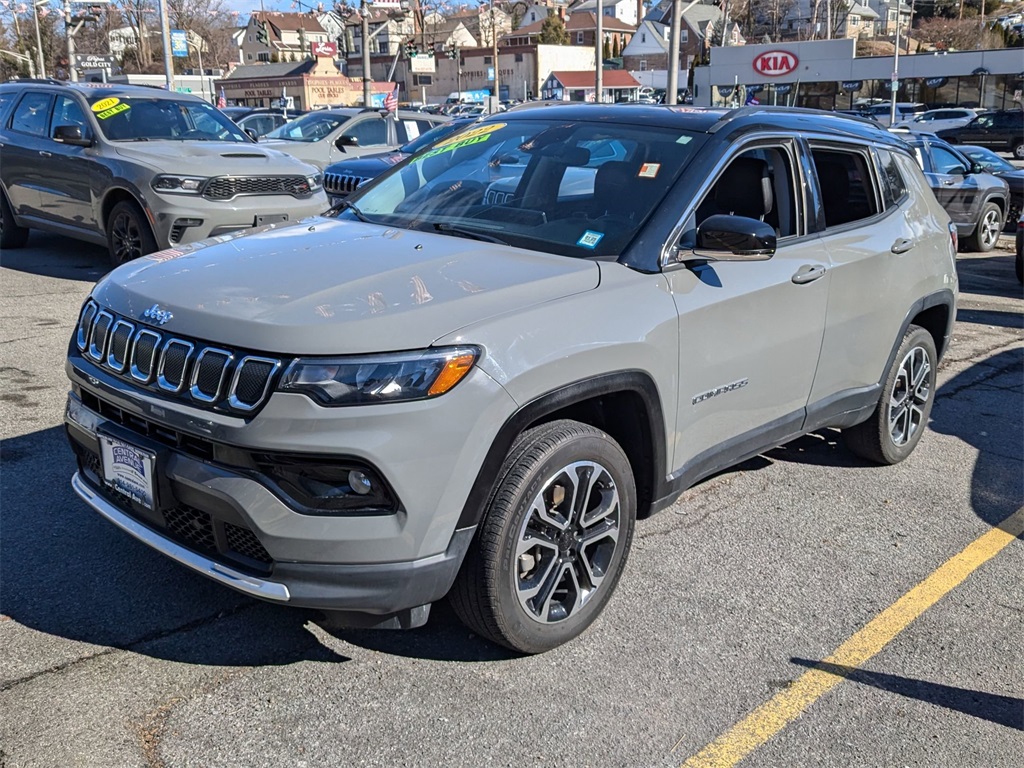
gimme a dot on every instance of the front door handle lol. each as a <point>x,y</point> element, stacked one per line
<point>948,182</point>
<point>902,245</point>
<point>44,153</point>
<point>808,273</point>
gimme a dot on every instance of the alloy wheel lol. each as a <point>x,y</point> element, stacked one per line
<point>567,542</point>
<point>910,394</point>
<point>127,238</point>
<point>990,227</point>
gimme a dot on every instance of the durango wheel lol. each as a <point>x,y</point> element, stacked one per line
<point>986,234</point>
<point>901,416</point>
<point>128,234</point>
<point>554,539</point>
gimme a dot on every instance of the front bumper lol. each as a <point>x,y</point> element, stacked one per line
<point>222,217</point>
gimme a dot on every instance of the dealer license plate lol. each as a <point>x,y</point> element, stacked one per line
<point>128,469</point>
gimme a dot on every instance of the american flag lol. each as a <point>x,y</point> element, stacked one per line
<point>391,101</point>
<point>221,101</point>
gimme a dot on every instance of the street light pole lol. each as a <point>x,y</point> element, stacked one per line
<point>72,69</point>
<point>39,42</point>
<point>494,54</point>
<point>165,34</point>
<point>894,84</point>
<point>364,10</point>
<point>673,54</point>
<point>599,54</point>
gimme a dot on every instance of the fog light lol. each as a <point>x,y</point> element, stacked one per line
<point>359,482</point>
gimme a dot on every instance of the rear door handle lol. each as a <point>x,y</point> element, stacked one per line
<point>44,153</point>
<point>902,245</point>
<point>948,182</point>
<point>808,273</point>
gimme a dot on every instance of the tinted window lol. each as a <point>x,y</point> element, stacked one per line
<point>894,187</point>
<point>30,116</point>
<point>137,118</point>
<point>369,132</point>
<point>66,111</point>
<point>309,128</point>
<point>944,161</point>
<point>847,188</point>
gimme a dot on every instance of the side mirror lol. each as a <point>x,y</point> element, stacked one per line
<point>734,238</point>
<point>346,141</point>
<point>251,134</point>
<point>959,170</point>
<point>71,134</point>
<point>978,168</point>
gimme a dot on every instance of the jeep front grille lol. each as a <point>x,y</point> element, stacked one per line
<point>173,366</point>
<point>228,187</point>
<point>341,184</point>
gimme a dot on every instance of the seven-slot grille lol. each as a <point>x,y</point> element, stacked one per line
<point>340,184</point>
<point>227,187</point>
<point>165,363</point>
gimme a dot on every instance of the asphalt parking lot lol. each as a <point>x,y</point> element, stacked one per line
<point>755,615</point>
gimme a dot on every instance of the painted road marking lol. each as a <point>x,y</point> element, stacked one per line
<point>774,715</point>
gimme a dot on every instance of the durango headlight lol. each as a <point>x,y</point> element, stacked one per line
<point>183,185</point>
<point>383,378</point>
<point>316,183</point>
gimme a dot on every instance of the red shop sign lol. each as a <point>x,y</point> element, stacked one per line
<point>775,63</point>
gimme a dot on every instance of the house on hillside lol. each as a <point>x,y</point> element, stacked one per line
<point>809,20</point>
<point>627,11</point>
<point>701,27</point>
<point>273,36</point>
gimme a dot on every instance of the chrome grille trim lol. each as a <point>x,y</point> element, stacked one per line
<point>96,353</point>
<point>233,400</point>
<point>85,324</point>
<point>137,374</point>
<point>112,361</point>
<point>340,184</point>
<point>161,380</point>
<point>194,390</point>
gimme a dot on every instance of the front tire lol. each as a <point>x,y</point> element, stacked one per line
<point>1018,150</point>
<point>900,418</point>
<point>553,541</point>
<point>11,235</point>
<point>986,234</point>
<point>128,233</point>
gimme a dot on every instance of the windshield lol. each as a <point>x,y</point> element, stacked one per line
<point>988,159</point>
<point>137,118</point>
<point>570,188</point>
<point>309,128</point>
<point>436,133</point>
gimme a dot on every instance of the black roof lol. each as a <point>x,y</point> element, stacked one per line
<point>713,120</point>
<point>103,90</point>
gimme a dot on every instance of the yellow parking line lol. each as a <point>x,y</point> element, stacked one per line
<point>774,715</point>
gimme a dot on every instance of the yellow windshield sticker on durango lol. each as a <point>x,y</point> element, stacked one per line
<point>114,110</point>
<point>105,104</point>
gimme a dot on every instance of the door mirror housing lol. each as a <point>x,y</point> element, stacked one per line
<point>734,238</point>
<point>71,134</point>
<point>251,134</point>
<point>346,141</point>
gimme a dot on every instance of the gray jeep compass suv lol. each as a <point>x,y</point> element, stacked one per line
<point>440,391</point>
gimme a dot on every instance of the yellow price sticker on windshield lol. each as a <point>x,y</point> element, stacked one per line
<point>480,130</point>
<point>105,104</point>
<point>114,110</point>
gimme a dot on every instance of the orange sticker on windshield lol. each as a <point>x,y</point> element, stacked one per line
<point>105,104</point>
<point>480,130</point>
<point>649,170</point>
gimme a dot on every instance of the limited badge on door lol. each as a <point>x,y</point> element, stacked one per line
<point>128,469</point>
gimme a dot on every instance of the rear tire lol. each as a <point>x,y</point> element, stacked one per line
<point>11,235</point>
<point>986,233</point>
<point>128,233</point>
<point>908,392</point>
<point>1018,150</point>
<point>553,541</point>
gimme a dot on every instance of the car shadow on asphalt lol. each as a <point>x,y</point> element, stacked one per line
<point>55,256</point>
<point>992,317</point>
<point>67,572</point>
<point>1002,710</point>
<point>990,275</point>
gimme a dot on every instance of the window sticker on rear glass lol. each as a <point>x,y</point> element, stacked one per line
<point>649,170</point>
<point>590,239</point>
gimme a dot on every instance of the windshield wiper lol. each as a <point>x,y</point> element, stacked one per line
<point>448,229</point>
<point>352,207</point>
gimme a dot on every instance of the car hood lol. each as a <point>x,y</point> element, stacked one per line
<point>1014,179</point>
<point>211,158</point>
<point>324,286</point>
<point>369,166</point>
<point>315,152</point>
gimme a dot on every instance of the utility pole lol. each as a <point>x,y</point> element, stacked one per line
<point>72,69</point>
<point>165,34</point>
<point>364,10</point>
<point>894,85</point>
<point>599,53</point>
<point>494,54</point>
<point>39,42</point>
<point>673,45</point>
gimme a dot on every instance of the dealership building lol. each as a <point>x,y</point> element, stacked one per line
<point>827,74</point>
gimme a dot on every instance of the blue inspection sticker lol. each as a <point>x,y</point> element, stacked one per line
<point>590,239</point>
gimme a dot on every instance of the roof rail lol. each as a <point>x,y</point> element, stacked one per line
<point>46,80</point>
<point>735,114</point>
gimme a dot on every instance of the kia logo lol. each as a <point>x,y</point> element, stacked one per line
<point>775,63</point>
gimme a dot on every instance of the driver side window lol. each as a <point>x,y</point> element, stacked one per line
<point>944,161</point>
<point>369,132</point>
<point>68,112</point>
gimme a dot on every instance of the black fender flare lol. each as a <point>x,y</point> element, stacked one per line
<point>632,381</point>
<point>939,298</point>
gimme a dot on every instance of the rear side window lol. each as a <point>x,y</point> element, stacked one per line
<point>894,188</point>
<point>32,114</point>
<point>846,183</point>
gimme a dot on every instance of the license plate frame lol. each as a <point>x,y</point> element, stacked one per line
<point>269,218</point>
<point>129,470</point>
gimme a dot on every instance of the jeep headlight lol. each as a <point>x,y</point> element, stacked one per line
<point>383,378</point>
<point>184,185</point>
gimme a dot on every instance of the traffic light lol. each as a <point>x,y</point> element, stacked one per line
<point>411,49</point>
<point>262,35</point>
<point>453,51</point>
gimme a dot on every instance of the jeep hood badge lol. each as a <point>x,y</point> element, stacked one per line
<point>157,315</point>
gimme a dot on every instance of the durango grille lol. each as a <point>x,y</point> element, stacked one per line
<point>164,363</point>
<point>228,187</point>
<point>340,184</point>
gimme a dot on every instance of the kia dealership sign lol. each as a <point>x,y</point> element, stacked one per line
<point>775,63</point>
